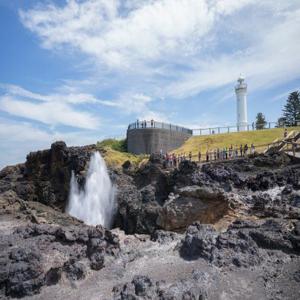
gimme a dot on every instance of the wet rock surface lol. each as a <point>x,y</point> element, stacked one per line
<point>33,256</point>
<point>224,230</point>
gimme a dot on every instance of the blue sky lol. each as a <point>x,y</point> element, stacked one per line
<point>82,70</point>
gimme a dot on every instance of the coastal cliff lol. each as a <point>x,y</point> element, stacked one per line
<point>222,230</point>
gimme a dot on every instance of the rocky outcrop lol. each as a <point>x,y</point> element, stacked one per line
<point>244,244</point>
<point>158,198</point>
<point>143,287</point>
<point>45,176</point>
<point>221,230</point>
<point>40,255</point>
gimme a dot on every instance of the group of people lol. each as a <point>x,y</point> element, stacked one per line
<point>143,124</point>
<point>228,152</point>
<point>173,159</point>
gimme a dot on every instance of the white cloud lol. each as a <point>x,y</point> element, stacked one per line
<point>143,51</point>
<point>51,113</point>
<point>52,109</point>
<point>214,40</point>
<point>137,105</point>
<point>22,137</point>
<point>148,31</point>
<point>271,60</point>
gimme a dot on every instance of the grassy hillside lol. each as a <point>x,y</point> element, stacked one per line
<point>114,153</point>
<point>259,137</point>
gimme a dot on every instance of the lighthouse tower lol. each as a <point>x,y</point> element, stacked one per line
<point>241,97</point>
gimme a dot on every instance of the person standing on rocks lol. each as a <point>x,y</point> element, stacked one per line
<point>246,150</point>
<point>199,156</point>
<point>241,150</point>
<point>215,154</point>
<point>161,153</point>
<point>190,156</point>
<point>174,160</point>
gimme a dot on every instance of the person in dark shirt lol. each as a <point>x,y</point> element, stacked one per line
<point>246,149</point>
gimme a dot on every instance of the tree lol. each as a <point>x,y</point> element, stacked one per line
<point>291,111</point>
<point>260,122</point>
<point>281,122</point>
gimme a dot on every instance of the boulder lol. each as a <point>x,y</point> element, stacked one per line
<point>45,252</point>
<point>198,242</point>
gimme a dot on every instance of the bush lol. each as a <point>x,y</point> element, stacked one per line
<point>117,145</point>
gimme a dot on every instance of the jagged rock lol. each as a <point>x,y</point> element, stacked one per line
<point>163,236</point>
<point>263,191</point>
<point>236,248</point>
<point>24,273</point>
<point>143,287</point>
<point>193,203</point>
<point>74,270</point>
<point>24,270</point>
<point>45,176</point>
<point>53,276</point>
<point>242,245</point>
<point>198,242</point>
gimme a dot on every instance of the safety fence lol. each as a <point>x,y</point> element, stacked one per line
<point>234,128</point>
<point>158,125</point>
<point>289,144</point>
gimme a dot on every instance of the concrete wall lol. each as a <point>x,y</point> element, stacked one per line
<point>151,140</point>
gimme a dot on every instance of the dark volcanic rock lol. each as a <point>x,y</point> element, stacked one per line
<point>45,252</point>
<point>74,270</point>
<point>156,198</point>
<point>163,236</point>
<point>244,244</point>
<point>143,287</point>
<point>198,242</point>
<point>45,176</point>
<point>24,274</point>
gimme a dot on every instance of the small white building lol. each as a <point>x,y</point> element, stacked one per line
<point>241,97</point>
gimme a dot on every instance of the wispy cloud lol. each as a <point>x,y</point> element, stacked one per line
<point>141,56</point>
<point>181,47</point>
<point>52,109</point>
<point>22,137</point>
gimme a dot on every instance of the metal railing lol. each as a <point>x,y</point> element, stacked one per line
<point>204,131</point>
<point>230,128</point>
<point>158,125</point>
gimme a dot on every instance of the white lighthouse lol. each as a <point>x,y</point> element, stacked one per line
<point>241,98</point>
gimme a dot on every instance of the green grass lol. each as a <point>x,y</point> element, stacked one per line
<point>258,138</point>
<point>118,145</point>
<point>115,153</point>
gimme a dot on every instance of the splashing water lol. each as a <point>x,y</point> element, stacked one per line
<point>95,204</point>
